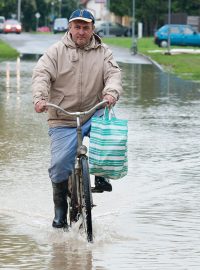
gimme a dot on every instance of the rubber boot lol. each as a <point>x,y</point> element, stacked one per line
<point>60,204</point>
<point>101,184</point>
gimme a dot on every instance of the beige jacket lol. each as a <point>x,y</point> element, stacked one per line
<point>75,79</point>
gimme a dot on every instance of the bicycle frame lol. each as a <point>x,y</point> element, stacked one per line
<point>81,201</point>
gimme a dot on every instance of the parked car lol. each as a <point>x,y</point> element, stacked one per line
<point>179,34</point>
<point>103,28</point>
<point>43,29</point>
<point>60,25</point>
<point>12,26</point>
<point>2,20</point>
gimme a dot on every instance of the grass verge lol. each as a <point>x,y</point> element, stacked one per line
<point>185,66</point>
<point>7,52</point>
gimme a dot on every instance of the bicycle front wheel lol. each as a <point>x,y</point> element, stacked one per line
<point>73,201</point>
<point>87,198</point>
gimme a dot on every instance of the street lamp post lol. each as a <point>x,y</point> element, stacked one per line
<point>108,10</point>
<point>52,10</point>
<point>37,15</point>
<point>19,10</point>
<point>134,43</point>
<point>60,7</point>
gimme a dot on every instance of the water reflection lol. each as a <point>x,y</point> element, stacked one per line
<point>64,257</point>
<point>20,249</point>
<point>17,249</point>
<point>18,74</point>
<point>7,75</point>
<point>9,70</point>
<point>150,220</point>
<point>147,88</point>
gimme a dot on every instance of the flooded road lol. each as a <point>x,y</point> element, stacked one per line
<point>151,220</point>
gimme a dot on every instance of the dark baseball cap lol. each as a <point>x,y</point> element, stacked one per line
<point>83,15</point>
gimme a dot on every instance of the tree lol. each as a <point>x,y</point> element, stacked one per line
<point>42,8</point>
<point>152,12</point>
<point>191,7</point>
<point>121,8</point>
<point>68,7</point>
<point>147,11</point>
<point>8,8</point>
<point>28,14</point>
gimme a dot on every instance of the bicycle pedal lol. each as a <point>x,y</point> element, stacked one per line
<point>94,190</point>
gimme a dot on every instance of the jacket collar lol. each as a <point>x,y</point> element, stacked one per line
<point>94,43</point>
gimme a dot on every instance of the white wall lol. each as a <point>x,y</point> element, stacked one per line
<point>98,9</point>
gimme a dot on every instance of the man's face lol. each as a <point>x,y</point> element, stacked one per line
<point>81,32</point>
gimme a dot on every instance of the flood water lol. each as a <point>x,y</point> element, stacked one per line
<point>151,220</point>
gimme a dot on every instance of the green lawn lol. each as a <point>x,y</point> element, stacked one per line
<point>185,66</point>
<point>7,52</point>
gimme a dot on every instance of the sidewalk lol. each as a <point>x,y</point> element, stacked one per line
<point>124,55</point>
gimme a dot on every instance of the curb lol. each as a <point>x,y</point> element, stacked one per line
<point>152,61</point>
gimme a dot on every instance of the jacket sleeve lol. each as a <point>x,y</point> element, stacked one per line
<point>44,74</point>
<point>112,76</point>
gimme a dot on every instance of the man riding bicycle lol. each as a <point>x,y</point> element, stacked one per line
<point>76,73</point>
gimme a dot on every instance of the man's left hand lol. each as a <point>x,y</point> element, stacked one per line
<point>111,100</point>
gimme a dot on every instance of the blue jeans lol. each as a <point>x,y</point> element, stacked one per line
<point>63,149</point>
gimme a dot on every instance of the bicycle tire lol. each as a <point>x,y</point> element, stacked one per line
<point>73,204</point>
<point>87,198</point>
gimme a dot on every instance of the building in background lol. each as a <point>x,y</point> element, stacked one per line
<point>99,9</point>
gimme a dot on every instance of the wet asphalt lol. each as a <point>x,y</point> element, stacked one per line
<point>37,44</point>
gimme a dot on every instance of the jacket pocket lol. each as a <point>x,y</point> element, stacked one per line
<point>57,100</point>
<point>53,113</point>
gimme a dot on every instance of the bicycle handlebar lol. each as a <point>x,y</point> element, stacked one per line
<point>77,113</point>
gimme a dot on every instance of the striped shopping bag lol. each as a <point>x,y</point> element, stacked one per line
<point>108,146</point>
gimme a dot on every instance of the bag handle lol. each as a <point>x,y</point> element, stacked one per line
<point>109,113</point>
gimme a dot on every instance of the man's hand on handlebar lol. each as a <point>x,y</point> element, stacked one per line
<point>111,100</point>
<point>41,106</point>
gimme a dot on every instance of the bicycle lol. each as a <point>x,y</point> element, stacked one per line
<point>79,185</point>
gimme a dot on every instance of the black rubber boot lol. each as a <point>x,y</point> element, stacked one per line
<point>60,204</point>
<point>101,184</point>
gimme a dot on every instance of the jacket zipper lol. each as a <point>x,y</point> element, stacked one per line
<point>81,79</point>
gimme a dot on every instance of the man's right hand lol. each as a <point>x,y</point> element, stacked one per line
<point>40,106</point>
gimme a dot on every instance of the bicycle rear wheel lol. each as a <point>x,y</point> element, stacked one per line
<point>87,198</point>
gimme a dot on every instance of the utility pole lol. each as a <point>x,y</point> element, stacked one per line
<point>108,21</point>
<point>19,10</point>
<point>169,30</point>
<point>134,43</point>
